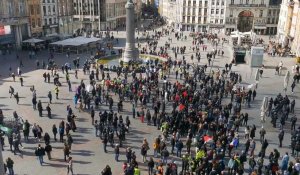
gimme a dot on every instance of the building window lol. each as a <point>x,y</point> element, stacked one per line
<point>212,11</point>
<point>222,3</point>
<point>48,1</point>
<point>269,21</point>
<point>39,22</point>
<point>44,11</point>
<point>33,24</point>
<point>53,1</point>
<point>221,21</point>
<point>45,22</point>
<point>204,20</point>
<point>232,2</point>
<point>53,9</point>
<point>242,1</point>
<point>213,2</point>
<point>269,12</point>
<point>218,2</point>
<point>31,10</point>
<point>231,13</point>
<point>261,13</point>
<point>262,2</point>
<point>217,11</point>
<point>50,21</point>
<point>247,1</point>
<point>49,10</point>
<point>216,21</point>
<point>38,10</point>
<point>222,11</point>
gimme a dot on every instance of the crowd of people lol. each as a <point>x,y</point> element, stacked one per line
<point>199,114</point>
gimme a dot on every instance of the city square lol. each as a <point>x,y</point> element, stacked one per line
<point>152,96</point>
<point>87,150</point>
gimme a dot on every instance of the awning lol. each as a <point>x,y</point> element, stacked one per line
<point>33,40</point>
<point>260,27</point>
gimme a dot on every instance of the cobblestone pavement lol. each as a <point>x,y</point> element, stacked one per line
<point>87,152</point>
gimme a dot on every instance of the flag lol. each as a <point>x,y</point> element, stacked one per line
<point>207,138</point>
<point>181,107</point>
<point>234,142</point>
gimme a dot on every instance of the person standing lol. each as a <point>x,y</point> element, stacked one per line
<point>117,152</point>
<point>34,102</point>
<point>92,114</point>
<point>40,108</point>
<point>48,110</point>
<point>26,129</point>
<point>61,130</point>
<point>50,97</point>
<point>56,90</point>
<point>70,165</point>
<point>10,166</point>
<point>262,133</point>
<point>40,153</point>
<point>54,131</point>
<point>21,81</point>
<point>280,137</point>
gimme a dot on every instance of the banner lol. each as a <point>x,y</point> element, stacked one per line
<point>5,30</point>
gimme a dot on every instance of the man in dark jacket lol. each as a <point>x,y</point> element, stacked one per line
<point>40,152</point>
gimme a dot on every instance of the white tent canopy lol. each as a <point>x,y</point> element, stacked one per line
<point>33,40</point>
<point>78,41</point>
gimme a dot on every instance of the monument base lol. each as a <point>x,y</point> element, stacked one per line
<point>130,55</point>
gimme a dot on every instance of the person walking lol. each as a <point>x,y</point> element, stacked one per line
<point>10,166</point>
<point>40,153</point>
<point>17,97</point>
<point>293,86</point>
<point>11,91</point>
<point>66,151</point>
<point>151,166</point>
<point>262,134</point>
<point>48,150</point>
<point>70,166</point>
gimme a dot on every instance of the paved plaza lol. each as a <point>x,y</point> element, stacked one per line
<point>87,150</point>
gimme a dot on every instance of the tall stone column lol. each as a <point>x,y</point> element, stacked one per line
<point>131,53</point>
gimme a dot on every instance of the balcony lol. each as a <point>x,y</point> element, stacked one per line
<point>247,5</point>
<point>230,22</point>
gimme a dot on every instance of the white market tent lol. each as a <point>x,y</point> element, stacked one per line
<point>76,45</point>
<point>33,40</point>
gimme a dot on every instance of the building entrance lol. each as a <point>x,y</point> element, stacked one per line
<point>245,21</point>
